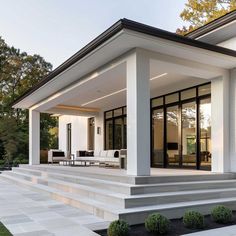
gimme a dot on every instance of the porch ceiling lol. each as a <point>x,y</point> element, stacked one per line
<point>108,91</point>
<point>116,47</point>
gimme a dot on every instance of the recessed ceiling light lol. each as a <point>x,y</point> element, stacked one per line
<point>158,76</point>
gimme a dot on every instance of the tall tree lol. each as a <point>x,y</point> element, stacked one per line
<point>199,12</point>
<point>19,72</point>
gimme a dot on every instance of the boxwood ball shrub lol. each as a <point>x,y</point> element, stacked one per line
<point>193,220</point>
<point>221,214</point>
<point>118,228</point>
<point>157,223</point>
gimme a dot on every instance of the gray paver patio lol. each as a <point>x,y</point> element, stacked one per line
<point>28,213</point>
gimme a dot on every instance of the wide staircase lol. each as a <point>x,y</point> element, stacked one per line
<point>130,198</point>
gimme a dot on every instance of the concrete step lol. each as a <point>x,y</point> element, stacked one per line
<point>133,215</point>
<point>90,173</point>
<point>104,195</point>
<point>183,178</point>
<point>132,189</point>
<point>83,172</point>
<point>182,186</point>
<point>128,201</point>
<point>138,215</point>
<point>95,183</point>
<point>95,207</point>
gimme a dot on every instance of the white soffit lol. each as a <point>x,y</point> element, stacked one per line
<point>116,46</point>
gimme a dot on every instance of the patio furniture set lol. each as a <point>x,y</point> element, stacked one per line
<point>115,158</point>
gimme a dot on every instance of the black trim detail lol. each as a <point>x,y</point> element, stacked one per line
<point>114,29</point>
<point>223,20</point>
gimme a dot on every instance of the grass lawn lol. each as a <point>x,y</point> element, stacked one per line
<point>4,231</point>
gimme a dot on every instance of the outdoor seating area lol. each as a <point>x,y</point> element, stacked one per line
<point>111,158</point>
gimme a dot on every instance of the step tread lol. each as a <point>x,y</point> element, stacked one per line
<point>125,196</point>
<point>195,182</point>
<point>179,193</point>
<point>74,185</point>
<point>185,183</point>
<point>77,176</point>
<point>118,210</point>
<point>72,196</point>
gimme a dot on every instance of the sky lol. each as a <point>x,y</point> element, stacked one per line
<point>56,29</point>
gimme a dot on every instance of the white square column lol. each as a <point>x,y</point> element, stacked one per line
<point>34,137</point>
<point>220,124</point>
<point>232,119</point>
<point>138,114</point>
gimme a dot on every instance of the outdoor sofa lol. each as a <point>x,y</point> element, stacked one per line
<point>55,156</point>
<point>106,157</point>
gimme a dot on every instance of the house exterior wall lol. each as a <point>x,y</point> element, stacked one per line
<point>99,136</point>
<point>232,113</point>
<point>79,132</point>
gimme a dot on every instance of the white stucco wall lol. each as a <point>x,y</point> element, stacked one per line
<point>220,124</point>
<point>99,138</point>
<point>79,132</point>
<point>230,43</point>
<point>233,120</point>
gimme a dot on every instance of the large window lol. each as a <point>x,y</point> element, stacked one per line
<point>180,129</point>
<point>158,140</point>
<point>186,133</point>
<point>115,129</point>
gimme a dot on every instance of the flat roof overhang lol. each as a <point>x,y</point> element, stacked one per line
<point>216,31</point>
<point>119,39</point>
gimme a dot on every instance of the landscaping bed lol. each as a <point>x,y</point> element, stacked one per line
<point>4,231</point>
<point>177,227</point>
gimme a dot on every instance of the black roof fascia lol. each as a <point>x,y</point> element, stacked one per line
<point>217,23</point>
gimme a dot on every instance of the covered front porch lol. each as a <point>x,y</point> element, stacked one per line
<point>128,71</point>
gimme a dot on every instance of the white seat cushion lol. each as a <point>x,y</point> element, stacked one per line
<point>103,153</point>
<point>110,153</point>
<point>111,159</point>
<point>96,153</point>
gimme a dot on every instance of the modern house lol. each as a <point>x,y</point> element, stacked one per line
<point>168,99</point>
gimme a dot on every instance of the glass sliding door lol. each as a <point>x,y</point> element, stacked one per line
<point>118,133</point>
<point>188,135</point>
<point>205,133</point>
<point>125,134</point>
<point>172,136</point>
<point>115,129</point>
<point>109,134</point>
<point>158,138</point>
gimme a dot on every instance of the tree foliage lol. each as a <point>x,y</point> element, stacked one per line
<point>200,12</point>
<point>19,72</point>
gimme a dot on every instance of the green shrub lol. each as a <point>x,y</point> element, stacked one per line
<point>193,220</point>
<point>157,223</point>
<point>118,228</point>
<point>221,214</point>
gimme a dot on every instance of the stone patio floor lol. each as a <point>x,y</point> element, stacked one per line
<point>28,213</point>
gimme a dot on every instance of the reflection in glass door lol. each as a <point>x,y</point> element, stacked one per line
<point>189,145</point>
<point>118,133</point>
<point>158,138</point>
<point>172,124</point>
<point>205,134</point>
<point>109,134</point>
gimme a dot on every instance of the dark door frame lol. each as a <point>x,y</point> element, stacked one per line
<point>179,103</point>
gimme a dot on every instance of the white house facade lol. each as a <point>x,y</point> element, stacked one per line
<point>168,100</point>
